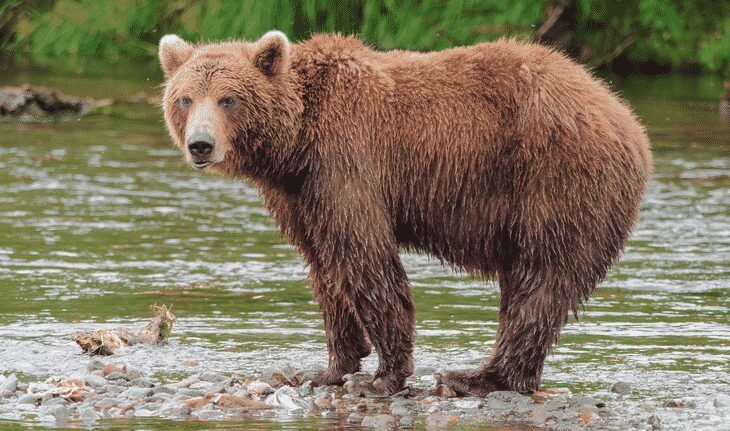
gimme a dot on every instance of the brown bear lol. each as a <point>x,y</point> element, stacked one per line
<point>503,159</point>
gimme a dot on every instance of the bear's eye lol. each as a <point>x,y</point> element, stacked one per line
<point>227,102</point>
<point>185,102</point>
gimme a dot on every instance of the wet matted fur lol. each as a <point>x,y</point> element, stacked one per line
<point>504,159</point>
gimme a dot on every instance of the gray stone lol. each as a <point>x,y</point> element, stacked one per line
<point>59,412</point>
<point>117,376</point>
<point>192,392</point>
<point>163,390</point>
<point>10,384</point>
<point>95,365</point>
<point>174,410</point>
<point>22,387</point>
<point>55,402</point>
<point>143,382</point>
<point>437,421</point>
<point>354,418</point>
<point>208,376</point>
<point>655,422</point>
<point>132,374</point>
<point>106,403</point>
<point>379,422</point>
<point>622,388</point>
<point>208,415</point>
<point>406,421</point>
<point>143,413</point>
<point>27,399</point>
<point>95,381</point>
<point>398,410</point>
<point>89,415</point>
<point>136,393</point>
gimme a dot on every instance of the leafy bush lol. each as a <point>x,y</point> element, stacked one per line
<point>664,34</point>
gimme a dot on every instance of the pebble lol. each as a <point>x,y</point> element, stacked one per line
<point>95,381</point>
<point>440,421</point>
<point>259,388</point>
<point>655,422</point>
<point>60,413</point>
<point>354,418</point>
<point>89,415</point>
<point>621,388</point>
<point>112,368</point>
<point>116,375</point>
<point>10,384</point>
<point>211,377</point>
<point>379,422</point>
<point>174,410</point>
<point>27,399</point>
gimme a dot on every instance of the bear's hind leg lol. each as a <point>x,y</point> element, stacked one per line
<point>346,340</point>
<point>534,307</point>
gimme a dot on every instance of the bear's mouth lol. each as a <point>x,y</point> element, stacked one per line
<point>202,165</point>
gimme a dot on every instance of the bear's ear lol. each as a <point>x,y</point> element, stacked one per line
<point>272,53</point>
<point>174,52</point>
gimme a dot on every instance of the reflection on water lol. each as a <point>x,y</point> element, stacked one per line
<point>100,217</point>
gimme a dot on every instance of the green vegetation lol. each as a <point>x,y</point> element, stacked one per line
<point>649,35</point>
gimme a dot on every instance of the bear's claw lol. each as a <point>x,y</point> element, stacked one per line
<point>362,384</point>
<point>471,383</point>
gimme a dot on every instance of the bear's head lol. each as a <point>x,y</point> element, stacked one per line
<point>231,107</point>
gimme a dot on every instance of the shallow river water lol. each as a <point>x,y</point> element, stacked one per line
<point>100,217</point>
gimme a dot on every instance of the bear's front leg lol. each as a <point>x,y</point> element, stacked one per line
<point>346,340</point>
<point>353,247</point>
<point>383,303</point>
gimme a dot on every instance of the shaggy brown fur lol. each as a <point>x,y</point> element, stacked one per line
<point>503,159</point>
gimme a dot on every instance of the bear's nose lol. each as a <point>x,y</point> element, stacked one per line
<point>200,145</point>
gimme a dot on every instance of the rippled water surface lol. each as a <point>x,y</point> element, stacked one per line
<point>100,217</point>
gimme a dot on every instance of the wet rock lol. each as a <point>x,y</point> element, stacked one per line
<point>259,388</point>
<point>440,421</point>
<point>379,422</point>
<point>339,404</point>
<point>208,415</point>
<point>673,403</point>
<point>175,410</point>
<point>211,377</point>
<point>197,403</point>
<point>95,381</point>
<point>134,393</point>
<point>117,377</point>
<point>323,402</point>
<point>621,388</point>
<point>284,398</point>
<point>144,413</point>
<point>111,368</point>
<point>275,377</point>
<point>655,422</point>
<point>468,404</point>
<point>354,418</point>
<point>10,384</point>
<point>399,410</point>
<point>89,415</point>
<point>28,399</point>
<point>60,413</point>
<point>51,401</point>
<point>30,101</point>
<point>143,382</point>
<point>232,401</point>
